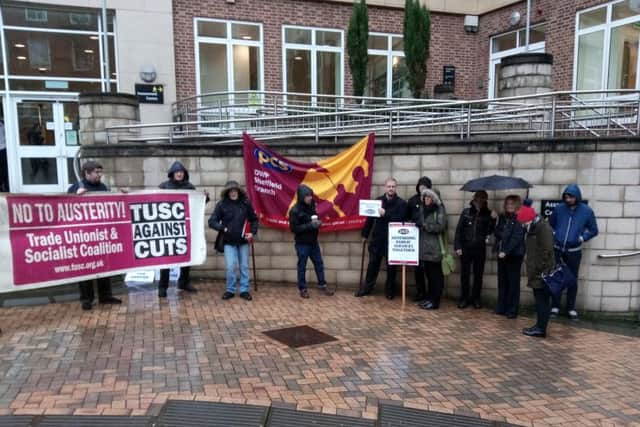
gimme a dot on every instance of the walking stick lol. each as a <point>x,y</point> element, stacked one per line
<point>253,261</point>
<point>364,244</point>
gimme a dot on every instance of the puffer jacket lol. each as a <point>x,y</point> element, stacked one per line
<point>572,227</point>
<point>473,228</point>
<point>540,256</point>
<point>300,218</point>
<point>432,224</point>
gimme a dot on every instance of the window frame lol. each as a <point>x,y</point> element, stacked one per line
<point>389,53</point>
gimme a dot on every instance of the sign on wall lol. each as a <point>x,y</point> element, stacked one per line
<point>449,75</point>
<point>548,206</point>
<point>150,94</point>
<point>404,243</point>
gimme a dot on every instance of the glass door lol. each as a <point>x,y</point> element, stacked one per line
<point>47,140</point>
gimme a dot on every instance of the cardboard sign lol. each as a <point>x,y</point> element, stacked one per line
<point>404,244</point>
<point>370,207</point>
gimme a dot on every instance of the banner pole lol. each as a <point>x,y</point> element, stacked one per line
<point>404,285</point>
<point>253,261</point>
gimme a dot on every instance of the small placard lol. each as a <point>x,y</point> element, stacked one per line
<point>150,94</point>
<point>370,207</point>
<point>404,244</point>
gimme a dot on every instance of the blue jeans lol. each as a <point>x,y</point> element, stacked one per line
<point>572,259</point>
<point>237,257</point>
<point>305,252</point>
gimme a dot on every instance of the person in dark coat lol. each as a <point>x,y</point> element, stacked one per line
<point>413,206</point>
<point>431,219</point>
<point>304,222</point>
<point>92,181</point>
<point>475,225</point>
<point>540,259</point>
<point>510,247</point>
<point>573,223</point>
<point>393,209</point>
<point>235,218</point>
<point>178,180</point>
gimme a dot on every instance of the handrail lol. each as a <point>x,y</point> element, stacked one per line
<point>622,255</point>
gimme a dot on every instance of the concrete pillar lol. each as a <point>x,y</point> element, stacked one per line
<point>102,110</point>
<point>525,74</point>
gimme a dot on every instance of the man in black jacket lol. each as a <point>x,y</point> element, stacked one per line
<point>178,180</point>
<point>304,222</point>
<point>92,181</point>
<point>413,206</point>
<point>235,218</point>
<point>475,225</point>
<point>393,209</point>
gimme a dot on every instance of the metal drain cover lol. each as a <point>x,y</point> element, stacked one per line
<point>299,336</point>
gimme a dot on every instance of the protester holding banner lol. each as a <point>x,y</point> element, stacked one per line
<point>413,206</point>
<point>393,210</point>
<point>178,180</point>
<point>92,181</point>
<point>431,219</point>
<point>475,225</point>
<point>573,223</point>
<point>540,259</point>
<point>235,218</point>
<point>510,247</point>
<point>304,222</point>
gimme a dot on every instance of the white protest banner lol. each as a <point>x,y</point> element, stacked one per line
<point>370,208</point>
<point>48,240</point>
<point>404,243</point>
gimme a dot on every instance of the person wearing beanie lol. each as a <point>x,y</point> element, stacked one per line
<point>573,223</point>
<point>413,206</point>
<point>431,219</point>
<point>178,180</point>
<point>540,259</point>
<point>476,223</point>
<point>230,216</point>
<point>510,248</point>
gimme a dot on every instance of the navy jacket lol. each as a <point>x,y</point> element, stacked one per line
<point>571,227</point>
<point>510,236</point>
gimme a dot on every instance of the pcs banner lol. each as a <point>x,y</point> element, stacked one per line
<point>338,184</point>
<point>53,240</point>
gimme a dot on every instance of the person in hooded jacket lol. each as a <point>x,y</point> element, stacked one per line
<point>305,224</point>
<point>235,218</point>
<point>178,180</point>
<point>393,209</point>
<point>413,206</point>
<point>511,249</point>
<point>475,225</point>
<point>431,219</point>
<point>540,259</point>
<point>573,223</point>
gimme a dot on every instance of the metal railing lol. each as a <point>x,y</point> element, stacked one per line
<point>620,255</point>
<point>223,117</point>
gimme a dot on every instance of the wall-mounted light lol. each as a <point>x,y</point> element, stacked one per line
<point>21,58</point>
<point>93,37</point>
<point>247,37</point>
<point>19,45</point>
<point>148,73</point>
<point>514,18</point>
<point>471,24</point>
<point>43,69</point>
<point>88,51</point>
<point>298,58</point>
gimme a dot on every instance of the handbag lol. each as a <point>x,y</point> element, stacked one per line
<point>559,278</point>
<point>219,243</point>
<point>448,261</point>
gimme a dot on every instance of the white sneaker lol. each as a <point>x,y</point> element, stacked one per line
<point>555,311</point>
<point>573,315</point>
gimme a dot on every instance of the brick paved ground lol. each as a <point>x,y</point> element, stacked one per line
<point>57,359</point>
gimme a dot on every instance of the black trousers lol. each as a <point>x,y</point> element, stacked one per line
<point>472,257</point>
<point>435,278</point>
<point>509,285</point>
<point>543,307</point>
<point>375,260</point>
<point>421,289</point>
<point>87,293</point>
<point>182,281</point>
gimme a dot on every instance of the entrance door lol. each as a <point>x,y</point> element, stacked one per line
<point>46,132</point>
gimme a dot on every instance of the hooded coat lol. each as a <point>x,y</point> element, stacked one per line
<point>414,202</point>
<point>395,211</point>
<point>572,227</point>
<point>432,223</point>
<point>540,256</point>
<point>232,214</point>
<point>172,184</point>
<point>300,218</point>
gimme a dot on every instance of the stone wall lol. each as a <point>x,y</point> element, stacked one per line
<point>609,178</point>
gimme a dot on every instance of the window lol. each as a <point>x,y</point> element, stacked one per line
<point>386,70</point>
<point>313,61</point>
<point>229,56</point>
<point>607,47</point>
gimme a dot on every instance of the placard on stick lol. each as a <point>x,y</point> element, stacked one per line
<point>404,249</point>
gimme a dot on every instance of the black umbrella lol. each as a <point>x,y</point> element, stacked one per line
<point>495,182</point>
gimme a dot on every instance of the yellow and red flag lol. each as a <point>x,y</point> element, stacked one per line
<point>338,184</point>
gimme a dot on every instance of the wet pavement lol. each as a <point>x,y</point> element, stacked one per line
<point>130,359</point>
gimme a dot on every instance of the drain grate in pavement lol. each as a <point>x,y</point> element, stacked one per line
<point>299,336</point>
<point>15,420</point>
<point>282,417</point>
<point>188,413</point>
<point>91,421</point>
<point>398,416</point>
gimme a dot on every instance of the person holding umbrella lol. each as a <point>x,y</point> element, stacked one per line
<point>475,225</point>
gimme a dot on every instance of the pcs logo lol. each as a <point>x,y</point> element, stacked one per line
<point>403,231</point>
<point>267,160</point>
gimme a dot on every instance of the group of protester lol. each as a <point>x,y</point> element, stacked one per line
<point>517,231</point>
